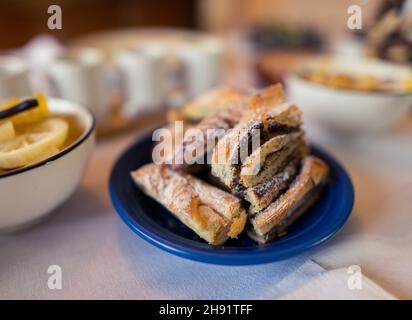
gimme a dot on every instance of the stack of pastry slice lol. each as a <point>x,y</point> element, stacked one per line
<point>266,179</point>
<point>264,161</point>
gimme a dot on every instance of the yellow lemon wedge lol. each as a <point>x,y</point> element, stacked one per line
<point>36,142</point>
<point>31,116</point>
<point>6,130</point>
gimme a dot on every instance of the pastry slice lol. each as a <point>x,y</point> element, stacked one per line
<point>213,101</point>
<point>211,128</point>
<point>276,129</point>
<point>227,155</point>
<point>213,214</point>
<point>271,157</point>
<point>269,105</point>
<point>262,194</point>
<point>305,190</point>
<point>274,163</point>
<point>264,100</point>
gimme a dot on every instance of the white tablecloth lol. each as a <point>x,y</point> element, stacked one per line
<point>100,257</point>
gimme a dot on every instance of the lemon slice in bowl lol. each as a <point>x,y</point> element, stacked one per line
<point>32,115</point>
<point>7,131</point>
<point>50,153</point>
<point>33,144</point>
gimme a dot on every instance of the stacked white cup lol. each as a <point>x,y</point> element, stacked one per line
<point>82,76</point>
<point>14,80</point>
<point>143,72</point>
<point>202,62</point>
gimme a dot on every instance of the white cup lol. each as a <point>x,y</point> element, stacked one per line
<point>144,75</point>
<point>82,76</point>
<point>202,62</point>
<point>14,80</point>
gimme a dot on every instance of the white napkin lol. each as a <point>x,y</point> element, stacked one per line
<point>336,285</point>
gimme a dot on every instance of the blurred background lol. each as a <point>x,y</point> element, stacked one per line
<point>23,19</point>
<point>138,57</point>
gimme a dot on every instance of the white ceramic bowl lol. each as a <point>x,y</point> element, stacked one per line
<point>29,193</point>
<point>351,111</point>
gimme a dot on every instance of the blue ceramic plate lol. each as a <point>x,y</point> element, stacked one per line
<point>156,225</point>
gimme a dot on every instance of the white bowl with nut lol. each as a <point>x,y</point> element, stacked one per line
<point>352,96</point>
